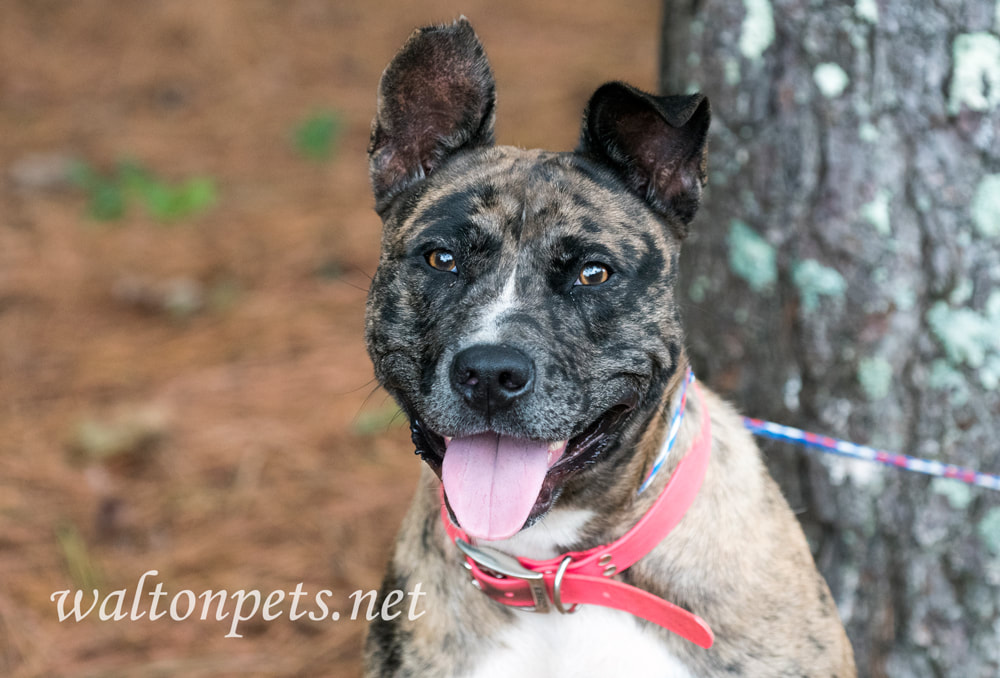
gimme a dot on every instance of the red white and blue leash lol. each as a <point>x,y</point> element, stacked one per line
<point>768,429</point>
<point>842,448</point>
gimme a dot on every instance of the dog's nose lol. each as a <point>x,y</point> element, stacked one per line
<point>491,376</point>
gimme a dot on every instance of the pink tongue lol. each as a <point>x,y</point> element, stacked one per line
<point>492,482</point>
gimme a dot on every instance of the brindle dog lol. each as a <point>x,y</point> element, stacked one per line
<point>524,316</point>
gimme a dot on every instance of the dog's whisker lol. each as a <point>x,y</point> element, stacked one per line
<point>358,269</point>
<point>393,419</point>
<point>350,284</point>
<point>357,388</point>
<point>364,402</point>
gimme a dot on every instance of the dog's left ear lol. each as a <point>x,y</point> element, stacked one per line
<point>436,97</point>
<point>656,144</point>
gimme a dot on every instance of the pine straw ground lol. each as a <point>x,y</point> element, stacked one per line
<point>194,397</point>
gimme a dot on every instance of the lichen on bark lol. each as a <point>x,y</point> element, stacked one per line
<point>885,178</point>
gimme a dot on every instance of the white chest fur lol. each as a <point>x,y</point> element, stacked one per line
<point>594,641</point>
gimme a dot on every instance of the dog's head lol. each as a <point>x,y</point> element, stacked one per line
<point>523,311</point>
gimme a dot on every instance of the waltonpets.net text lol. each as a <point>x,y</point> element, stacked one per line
<point>240,606</point>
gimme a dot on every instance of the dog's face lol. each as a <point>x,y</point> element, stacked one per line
<point>522,312</point>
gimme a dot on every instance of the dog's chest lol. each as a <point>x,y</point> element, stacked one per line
<point>594,641</point>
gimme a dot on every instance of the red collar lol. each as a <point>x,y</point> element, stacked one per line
<point>584,577</point>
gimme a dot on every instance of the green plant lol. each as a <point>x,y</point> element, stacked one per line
<point>109,194</point>
<point>106,200</point>
<point>316,137</point>
<point>83,570</point>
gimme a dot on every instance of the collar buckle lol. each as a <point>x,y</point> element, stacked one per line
<point>503,566</point>
<point>557,588</point>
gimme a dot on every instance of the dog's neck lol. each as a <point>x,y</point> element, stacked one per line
<point>571,528</point>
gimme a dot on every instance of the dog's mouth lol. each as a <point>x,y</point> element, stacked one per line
<point>496,485</point>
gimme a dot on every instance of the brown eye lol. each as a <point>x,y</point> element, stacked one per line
<point>442,260</point>
<point>593,273</point>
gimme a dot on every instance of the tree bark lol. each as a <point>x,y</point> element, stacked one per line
<point>842,276</point>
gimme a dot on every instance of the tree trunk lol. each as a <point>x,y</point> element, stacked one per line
<point>842,276</point>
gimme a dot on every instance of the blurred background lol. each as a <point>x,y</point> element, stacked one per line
<point>186,235</point>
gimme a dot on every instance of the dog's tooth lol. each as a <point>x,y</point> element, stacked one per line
<point>555,451</point>
<point>447,439</point>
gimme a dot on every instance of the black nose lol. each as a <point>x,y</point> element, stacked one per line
<point>491,376</point>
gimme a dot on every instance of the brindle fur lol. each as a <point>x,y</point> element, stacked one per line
<point>530,219</point>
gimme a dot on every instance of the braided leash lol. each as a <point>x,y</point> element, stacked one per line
<point>768,429</point>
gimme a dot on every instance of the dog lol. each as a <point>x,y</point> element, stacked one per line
<point>586,508</point>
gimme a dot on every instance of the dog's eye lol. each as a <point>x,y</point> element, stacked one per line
<point>593,273</point>
<point>442,260</point>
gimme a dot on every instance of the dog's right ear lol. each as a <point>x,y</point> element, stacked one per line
<point>436,97</point>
